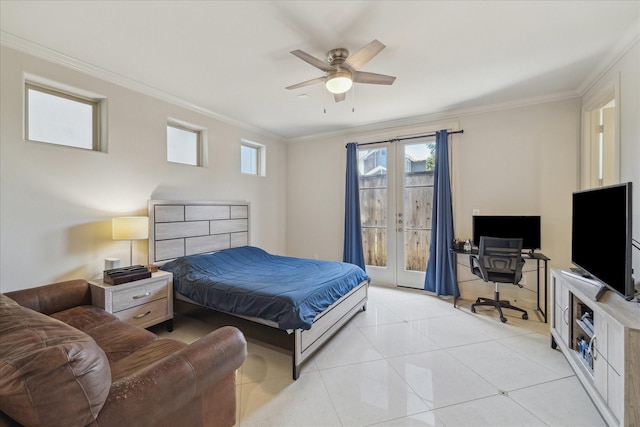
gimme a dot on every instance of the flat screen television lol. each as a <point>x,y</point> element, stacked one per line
<point>601,236</point>
<point>526,228</point>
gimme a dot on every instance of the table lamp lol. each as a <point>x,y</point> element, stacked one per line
<point>130,228</point>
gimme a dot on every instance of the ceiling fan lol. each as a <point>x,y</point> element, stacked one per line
<point>342,69</point>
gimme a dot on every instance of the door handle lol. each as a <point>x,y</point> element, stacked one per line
<point>592,348</point>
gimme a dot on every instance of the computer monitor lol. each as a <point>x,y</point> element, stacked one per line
<point>526,228</point>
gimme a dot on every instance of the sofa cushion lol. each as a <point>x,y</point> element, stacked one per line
<point>84,317</point>
<point>144,357</point>
<point>117,339</point>
<point>44,365</point>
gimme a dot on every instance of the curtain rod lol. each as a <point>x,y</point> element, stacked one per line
<point>407,137</point>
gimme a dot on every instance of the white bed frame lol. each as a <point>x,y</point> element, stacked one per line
<point>179,228</point>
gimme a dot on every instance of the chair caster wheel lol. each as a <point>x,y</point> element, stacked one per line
<point>503,319</point>
<point>473,309</point>
<point>525,316</point>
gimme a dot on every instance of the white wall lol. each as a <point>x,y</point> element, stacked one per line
<point>56,203</point>
<point>517,161</point>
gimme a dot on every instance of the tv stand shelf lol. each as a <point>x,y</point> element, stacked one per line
<point>601,341</point>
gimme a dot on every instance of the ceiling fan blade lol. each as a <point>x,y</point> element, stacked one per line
<point>318,63</point>
<point>339,97</point>
<point>307,83</point>
<point>372,78</point>
<point>364,55</point>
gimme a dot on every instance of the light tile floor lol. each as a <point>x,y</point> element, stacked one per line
<point>411,359</point>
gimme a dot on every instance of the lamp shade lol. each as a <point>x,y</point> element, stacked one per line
<point>130,228</point>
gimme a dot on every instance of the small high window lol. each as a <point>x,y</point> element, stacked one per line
<point>184,145</point>
<point>252,158</point>
<point>63,118</point>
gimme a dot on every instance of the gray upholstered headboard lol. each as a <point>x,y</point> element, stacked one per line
<point>178,228</point>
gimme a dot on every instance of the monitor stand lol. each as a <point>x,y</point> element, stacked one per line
<point>600,292</point>
<point>589,278</point>
<point>580,272</point>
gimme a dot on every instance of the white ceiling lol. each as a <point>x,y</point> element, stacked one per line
<point>232,58</point>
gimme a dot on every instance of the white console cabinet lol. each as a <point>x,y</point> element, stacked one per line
<point>601,341</point>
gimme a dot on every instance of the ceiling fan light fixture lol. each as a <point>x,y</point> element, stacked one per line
<point>339,82</point>
<point>343,70</point>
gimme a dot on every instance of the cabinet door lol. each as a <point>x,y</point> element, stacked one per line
<point>599,351</point>
<point>600,373</point>
<point>616,346</point>
<point>561,308</point>
<point>616,369</point>
<point>601,329</point>
<point>615,393</point>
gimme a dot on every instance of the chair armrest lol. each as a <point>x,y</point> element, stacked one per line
<point>518,275</point>
<point>476,266</point>
<point>160,389</point>
<point>53,298</point>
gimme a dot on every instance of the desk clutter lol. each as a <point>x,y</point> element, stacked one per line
<point>462,245</point>
<point>121,275</point>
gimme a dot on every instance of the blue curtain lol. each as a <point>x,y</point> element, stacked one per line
<point>352,252</point>
<point>440,275</point>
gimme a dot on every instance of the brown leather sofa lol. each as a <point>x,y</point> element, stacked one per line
<point>64,362</point>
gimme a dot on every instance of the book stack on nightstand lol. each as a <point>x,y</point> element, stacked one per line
<point>142,303</point>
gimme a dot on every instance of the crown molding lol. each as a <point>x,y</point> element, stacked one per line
<point>39,51</point>
<point>613,55</point>
<point>448,115</point>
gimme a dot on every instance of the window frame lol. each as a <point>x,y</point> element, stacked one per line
<point>201,137</point>
<point>98,113</point>
<point>592,102</point>
<point>261,157</point>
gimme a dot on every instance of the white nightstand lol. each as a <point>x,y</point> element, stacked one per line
<point>143,303</point>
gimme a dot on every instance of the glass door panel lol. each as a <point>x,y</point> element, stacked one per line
<point>396,193</point>
<point>414,211</point>
<point>375,214</point>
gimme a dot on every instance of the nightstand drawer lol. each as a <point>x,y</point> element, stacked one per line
<point>142,303</point>
<point>149,313</point>
<point>131,297</point>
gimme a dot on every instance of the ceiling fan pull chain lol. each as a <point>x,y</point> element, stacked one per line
<point>324,99</point>
<point>353,99</point>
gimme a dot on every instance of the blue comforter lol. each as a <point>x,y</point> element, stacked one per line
<point>251,282</point>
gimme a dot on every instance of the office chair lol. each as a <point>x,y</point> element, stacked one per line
<point>498,261</point>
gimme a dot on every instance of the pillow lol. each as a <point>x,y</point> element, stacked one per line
<point>51,374</point>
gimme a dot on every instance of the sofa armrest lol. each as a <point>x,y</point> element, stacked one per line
<point>53,298</point>
<point>161,389</point>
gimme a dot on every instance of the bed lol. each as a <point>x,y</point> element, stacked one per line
<point>206,246</point>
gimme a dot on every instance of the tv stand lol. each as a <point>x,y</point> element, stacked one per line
<point>600,292</point>
<point>601,341</point>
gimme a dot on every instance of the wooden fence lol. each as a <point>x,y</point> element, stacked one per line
<point>416,219</point>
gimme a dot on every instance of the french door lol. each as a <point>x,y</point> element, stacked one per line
<point>396,192</point>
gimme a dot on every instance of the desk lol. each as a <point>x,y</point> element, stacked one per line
<point>535,255</point>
